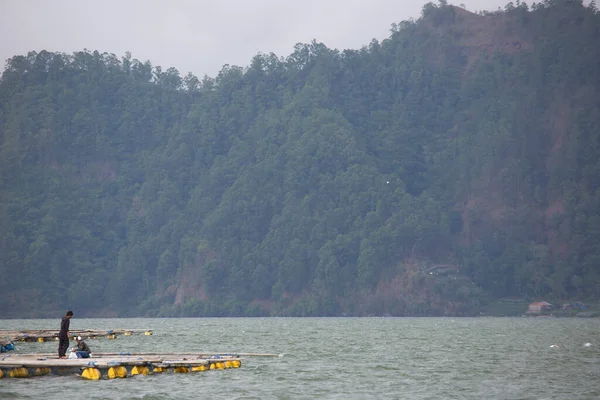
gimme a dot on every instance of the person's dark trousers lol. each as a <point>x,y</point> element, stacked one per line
<point>82,354</point>
<point>63,345</point>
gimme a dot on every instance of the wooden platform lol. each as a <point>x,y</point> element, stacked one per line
<point>199,354</point>
<point>108,366</point>
<point>43,335</point>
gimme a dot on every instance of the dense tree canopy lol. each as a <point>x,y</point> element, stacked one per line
<point>455,162</point>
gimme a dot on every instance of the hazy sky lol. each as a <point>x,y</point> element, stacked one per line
<point>202,35</point>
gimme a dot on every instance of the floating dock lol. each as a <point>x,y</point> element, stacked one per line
<point>44,335</point>
<point>186,355</point>
<point>108,366</point>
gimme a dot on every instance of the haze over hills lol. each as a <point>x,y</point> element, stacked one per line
<point>452,164</point>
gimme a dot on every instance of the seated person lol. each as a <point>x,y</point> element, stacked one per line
<point>83,350</point>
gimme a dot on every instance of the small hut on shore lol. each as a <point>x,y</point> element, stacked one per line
<point>539,307</point>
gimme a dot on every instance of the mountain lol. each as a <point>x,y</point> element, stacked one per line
<point>454,163</point>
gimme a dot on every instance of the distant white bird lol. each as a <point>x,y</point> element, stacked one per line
<point>587,345</point>
<point>554,346</point>
<point>388,182</point>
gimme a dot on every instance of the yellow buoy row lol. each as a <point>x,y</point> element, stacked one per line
<point>119,372</point>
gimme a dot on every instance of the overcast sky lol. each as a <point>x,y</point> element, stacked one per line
<point>200,35</point>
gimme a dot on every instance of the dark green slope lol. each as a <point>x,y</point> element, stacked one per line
<point>451,164</point>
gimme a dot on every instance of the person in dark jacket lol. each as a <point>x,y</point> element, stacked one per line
<point>63,335</point>
<point>83,350</point>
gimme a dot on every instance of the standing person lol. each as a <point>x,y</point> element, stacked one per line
<point>63,336</point>
<point>83,350</point>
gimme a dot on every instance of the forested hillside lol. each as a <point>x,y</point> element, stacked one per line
<point>454,163</point>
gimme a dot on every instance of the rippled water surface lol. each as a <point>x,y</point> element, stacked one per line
<point>342,358</point>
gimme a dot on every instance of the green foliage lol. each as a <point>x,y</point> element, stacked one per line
<point>312,184</point>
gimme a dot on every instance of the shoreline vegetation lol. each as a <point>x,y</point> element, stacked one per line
<point>497,308</point>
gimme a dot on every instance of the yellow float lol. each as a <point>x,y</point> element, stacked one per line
<point>92,374</point>
<point>42,371</point>
<point>19,373</point>
<point>117,372</point>
<point>140,370</point>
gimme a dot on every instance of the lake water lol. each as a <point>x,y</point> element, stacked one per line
<point>342,358</point>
